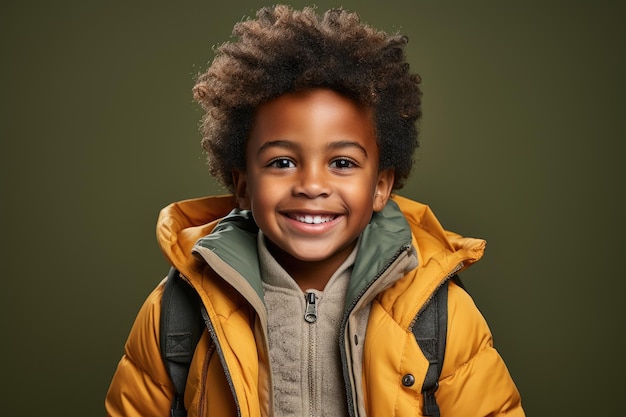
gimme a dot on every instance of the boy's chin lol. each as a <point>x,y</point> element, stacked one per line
<point>311,253</point>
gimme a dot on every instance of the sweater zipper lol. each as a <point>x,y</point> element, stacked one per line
<point>310,316</point>
<point>310,313</point>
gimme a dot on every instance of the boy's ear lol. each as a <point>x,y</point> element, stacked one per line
<point>240,187</point>
<point>383,188</point>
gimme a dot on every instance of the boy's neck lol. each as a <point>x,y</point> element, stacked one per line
<point>310,274</point>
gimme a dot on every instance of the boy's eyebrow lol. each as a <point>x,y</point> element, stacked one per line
<point>347,144</point>
<point>278,144</point>
<point>295,146</point>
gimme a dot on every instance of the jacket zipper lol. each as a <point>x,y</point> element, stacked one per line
<point>205,368</point>
<point>236,283</point>
<point>310,316</point>
<point>220,353</point>
<point>342,335</point>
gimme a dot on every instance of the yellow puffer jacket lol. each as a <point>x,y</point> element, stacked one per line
<point>403,257</point>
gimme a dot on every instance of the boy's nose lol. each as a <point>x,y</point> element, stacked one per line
<point>312,182</point>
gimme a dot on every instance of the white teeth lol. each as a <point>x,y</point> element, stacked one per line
<point>313,219</point>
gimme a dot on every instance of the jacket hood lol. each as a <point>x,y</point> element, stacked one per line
<point>181,224</point>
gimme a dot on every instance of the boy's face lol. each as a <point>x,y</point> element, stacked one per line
<point>312,175</point>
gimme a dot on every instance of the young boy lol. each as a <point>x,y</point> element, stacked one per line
<point>312,273</point>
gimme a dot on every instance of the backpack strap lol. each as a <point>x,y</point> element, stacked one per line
<point>181,326</point>
<point>430,331</point>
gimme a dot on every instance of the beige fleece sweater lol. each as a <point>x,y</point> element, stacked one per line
<point>304,356</point>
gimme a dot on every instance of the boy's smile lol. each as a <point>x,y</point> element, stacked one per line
<point>312,179</point>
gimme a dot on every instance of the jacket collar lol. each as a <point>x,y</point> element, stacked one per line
<point>234,241</point>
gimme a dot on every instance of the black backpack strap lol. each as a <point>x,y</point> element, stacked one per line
<point>181,327</point>
<point>430,331</point>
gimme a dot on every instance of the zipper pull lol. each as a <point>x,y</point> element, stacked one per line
<point>310,314</point>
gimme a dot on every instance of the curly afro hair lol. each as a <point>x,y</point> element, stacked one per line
<point>286,50</point>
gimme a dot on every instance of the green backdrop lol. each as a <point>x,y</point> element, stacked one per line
<point>522,144</point>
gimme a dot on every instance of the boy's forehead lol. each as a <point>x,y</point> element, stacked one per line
<point>319,105</point>
<point>320,99</point>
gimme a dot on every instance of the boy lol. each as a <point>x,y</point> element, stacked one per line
<point>312,273</point>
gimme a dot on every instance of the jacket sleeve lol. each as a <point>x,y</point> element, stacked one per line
<point>474,375</point>
<point>141,385</point>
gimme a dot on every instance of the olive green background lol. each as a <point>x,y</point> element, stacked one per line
<point>522,144</point>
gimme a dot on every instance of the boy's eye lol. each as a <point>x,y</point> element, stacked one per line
<point>342,163</point>
<point>282,163</point>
